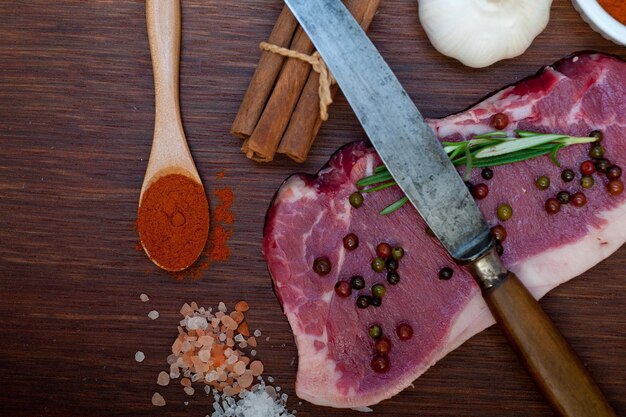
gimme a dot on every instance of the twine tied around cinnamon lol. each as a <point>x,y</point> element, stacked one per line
<point>318,65</point>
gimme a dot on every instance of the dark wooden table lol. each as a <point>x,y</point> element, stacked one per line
<point>76,119</point>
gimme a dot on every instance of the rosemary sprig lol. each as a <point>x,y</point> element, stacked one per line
<point>486,150</point>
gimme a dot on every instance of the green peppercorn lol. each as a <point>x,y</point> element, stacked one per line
<point>596,151</point>
<point>391,265</point>
<point>363,301</point>
<point>542,182</point>
<point>397,253</point>
<point>596,134</point>
<point>587,181</point>
<point>393,278</point>
<point>377,301</point>
<point>375,331</point>
<point>356,199</point>
<point>357,282</point>
<point>563,197</point>
<point>378,264</point>
<point>378,290</point>
<point>568,175</point>
<point>504,212</point>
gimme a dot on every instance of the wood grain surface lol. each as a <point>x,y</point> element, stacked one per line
<point>76,120</point>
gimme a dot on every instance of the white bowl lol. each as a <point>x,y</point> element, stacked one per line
<point>601,21</point>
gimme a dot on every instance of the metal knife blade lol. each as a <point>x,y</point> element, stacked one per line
<point>405,143</point>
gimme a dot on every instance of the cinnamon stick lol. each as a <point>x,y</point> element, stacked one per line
<point>264,141</point>
<point>305,121</point>
<point>264,77</point>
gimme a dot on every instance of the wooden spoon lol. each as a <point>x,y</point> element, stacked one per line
<point>170,153</point>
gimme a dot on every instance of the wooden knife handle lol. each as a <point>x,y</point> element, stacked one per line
<point>546,354</point>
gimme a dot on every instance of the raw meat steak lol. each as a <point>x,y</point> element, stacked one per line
<point>310,215</point>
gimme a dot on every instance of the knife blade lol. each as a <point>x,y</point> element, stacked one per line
<point>418,163</point>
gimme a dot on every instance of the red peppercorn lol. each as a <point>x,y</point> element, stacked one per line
<point>500,121</point>
<point>615,187</point>
<point>553,206</point>
<point>383,250</point>
<point>614,172</point>
<point>587,168</point>
<point>382,346</point>
<point>480,191</point>
<point>350,241</point>
<point>343,289</point>
<point>380,364</point>
<point>322,265</point>
<point>499,232</point>
<point>578,200</point>
<point>404,331</point>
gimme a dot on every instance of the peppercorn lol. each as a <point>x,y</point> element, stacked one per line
<point>382,346</point>
<point>614,172</point>
<point>375,331</point>
<point>356,199</point>
<point>596,134</point>
<point>343,289</point>
<point>404,331</point>
<point>469,186</point>
<point>321,265</point>
<point>602,165</point>
<point>587,168</point>
<point>542,182</point>
<point>568,175</point>
<point>480,191</point>
<point>500,121</point>
<point>357,282</point>
<point>430,232</point>
<point>378,290</point>
<point>380,364</point>
<point>445,273</point>
<point>553,206</point>
<point>397,253</point>
<point>383,250</point>
<point>486,173</point>
<point>587,182</point>
<point>596,151</point>
<point>393,278</point>
<point>615,187</point>
<point>499,232</point>
<point>363,301</point>
<point>563,197</point>
<point>350,241</point>
<point>499,248</point>
<point>578,199</point>
<point>391,265</point>
<point>377,301</point>
<point>504,212</point>
<point>378,264</point>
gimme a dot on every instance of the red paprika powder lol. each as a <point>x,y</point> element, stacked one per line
<point>616,8</point>
<point>173,221</point>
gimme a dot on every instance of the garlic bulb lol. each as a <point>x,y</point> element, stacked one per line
<point>481,32</point>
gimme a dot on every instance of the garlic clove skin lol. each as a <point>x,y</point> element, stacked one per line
<point>481,32</point>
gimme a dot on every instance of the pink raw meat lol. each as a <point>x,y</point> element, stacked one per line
<point>310,215</point>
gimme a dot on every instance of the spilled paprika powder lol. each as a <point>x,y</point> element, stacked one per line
<point>173,221</point>
<point>616,8</point>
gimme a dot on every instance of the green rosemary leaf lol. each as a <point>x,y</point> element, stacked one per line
<point>395,206</point>
<point>380,187</point>
<point>526,133</point>
<point>380,168</point>
<point>468,164</point>
<point>516,145</point>
<point>494,134</point>
<point>382,176</point>
<point>509,158</point>
<point>553,154</point>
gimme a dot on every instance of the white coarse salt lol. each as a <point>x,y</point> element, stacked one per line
<point>257,333</point>
<point>153,314</point>
<point>139,356</point>
<point>197,322</point>
<point>254,403</point>
<point>144,297</point>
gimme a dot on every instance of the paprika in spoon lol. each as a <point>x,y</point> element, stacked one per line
<point>173,216</point>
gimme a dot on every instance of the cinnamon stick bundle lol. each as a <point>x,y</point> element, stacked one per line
<point>288,121</point>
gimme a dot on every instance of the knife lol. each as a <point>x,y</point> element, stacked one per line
<point>418,163</point>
